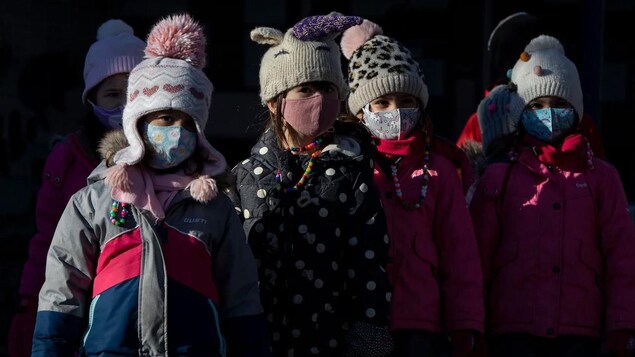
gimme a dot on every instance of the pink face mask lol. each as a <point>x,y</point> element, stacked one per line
<point>311,116</point>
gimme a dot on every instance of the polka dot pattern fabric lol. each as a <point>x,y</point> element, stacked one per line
<point>321,251</point>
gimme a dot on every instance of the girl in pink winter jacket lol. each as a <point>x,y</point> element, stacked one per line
<point>435,269</point>
<point>552,222</point>
<point>108,62</point>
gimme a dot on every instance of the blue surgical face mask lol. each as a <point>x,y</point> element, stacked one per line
<point>394,124</point>
<point>109,118</point>
<point>548,124</point>
<point>172,144</point>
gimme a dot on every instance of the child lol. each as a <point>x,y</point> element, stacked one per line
<point>311,212</point>
<point>152,258</point>
<point>106,68</point>
<point>505,42</point>
<point>435,269</point>
<point>552,223</point>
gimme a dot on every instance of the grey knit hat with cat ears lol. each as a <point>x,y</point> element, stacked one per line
<point>307,52</point>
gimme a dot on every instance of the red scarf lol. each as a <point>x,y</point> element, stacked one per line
<point>412,144</point>
<point>571,155</point>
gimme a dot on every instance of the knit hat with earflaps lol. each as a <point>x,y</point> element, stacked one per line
<point>379,65</point>
<point>544,70</point>
<point>307,52</point>
<point>117,50</point>
<point>170,77</point>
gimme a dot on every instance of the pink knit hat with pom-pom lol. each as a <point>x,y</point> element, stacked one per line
<point>170,77</point>
<point>379,65</point>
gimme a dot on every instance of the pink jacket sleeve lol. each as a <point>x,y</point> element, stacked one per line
<point>460,267</point>
<point>617,237</point>
<point>65,172</point>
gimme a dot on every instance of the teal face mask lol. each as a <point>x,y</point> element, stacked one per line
<point>548,124</point>
<point>172,145</point>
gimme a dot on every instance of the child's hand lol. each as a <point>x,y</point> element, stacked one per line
<point>467,343</point>
<point>620,343</point>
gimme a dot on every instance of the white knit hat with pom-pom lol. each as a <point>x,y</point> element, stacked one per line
<point>379,65</point>
<point>544,70</point>
<point>117,50</point>
<point>171,77</point>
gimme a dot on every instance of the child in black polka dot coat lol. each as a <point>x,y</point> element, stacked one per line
<point>310,209</point>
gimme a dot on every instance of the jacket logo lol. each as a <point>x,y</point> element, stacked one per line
<point>195,220</point>
<point>581,185</point>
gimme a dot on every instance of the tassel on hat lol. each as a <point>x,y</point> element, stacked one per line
<point>117,177</point>
<point>203,188</point>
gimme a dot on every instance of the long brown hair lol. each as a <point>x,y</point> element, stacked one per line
<point>275,121</point>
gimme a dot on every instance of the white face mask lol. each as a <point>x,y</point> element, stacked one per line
<point>394,124</point>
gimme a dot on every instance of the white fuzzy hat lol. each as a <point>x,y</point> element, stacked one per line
<point>170,78</point>
<point>379,65</point>
<point>307,52</point>
<point>117,50</point>
<point>544,70</point>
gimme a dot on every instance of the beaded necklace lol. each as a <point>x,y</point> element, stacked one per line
<point>118,213</point>
<point>305,175</point>
<point>309,146</point>
<point>424,183</point>
<point>295,149</point>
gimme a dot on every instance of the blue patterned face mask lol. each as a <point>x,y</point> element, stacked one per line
<point>393,124</point>
<point>172,144</point>
<point>548,124</point>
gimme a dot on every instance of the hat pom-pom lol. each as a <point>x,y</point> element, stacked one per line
<point>203,188</point>
<point>112,28</point>
<point>544,42</point>
<point>180,37</point>
<point>117,177</point>
<point>354,37</point>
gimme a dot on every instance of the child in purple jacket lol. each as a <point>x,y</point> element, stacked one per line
<point>106,68</point>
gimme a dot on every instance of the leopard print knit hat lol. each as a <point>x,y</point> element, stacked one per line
<point>379,65</point>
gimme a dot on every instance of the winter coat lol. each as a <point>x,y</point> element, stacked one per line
<point>66,170</point>
<point>557,248</point>
<point>435,264</point>
<point>184,286</point>
<point>322,249</point>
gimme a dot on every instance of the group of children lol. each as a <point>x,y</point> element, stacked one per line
<point>342,234</point>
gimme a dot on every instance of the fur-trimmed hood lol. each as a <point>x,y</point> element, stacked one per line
<point>112,142</point>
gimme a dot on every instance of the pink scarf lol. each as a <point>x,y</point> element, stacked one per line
<point>153,191</point>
